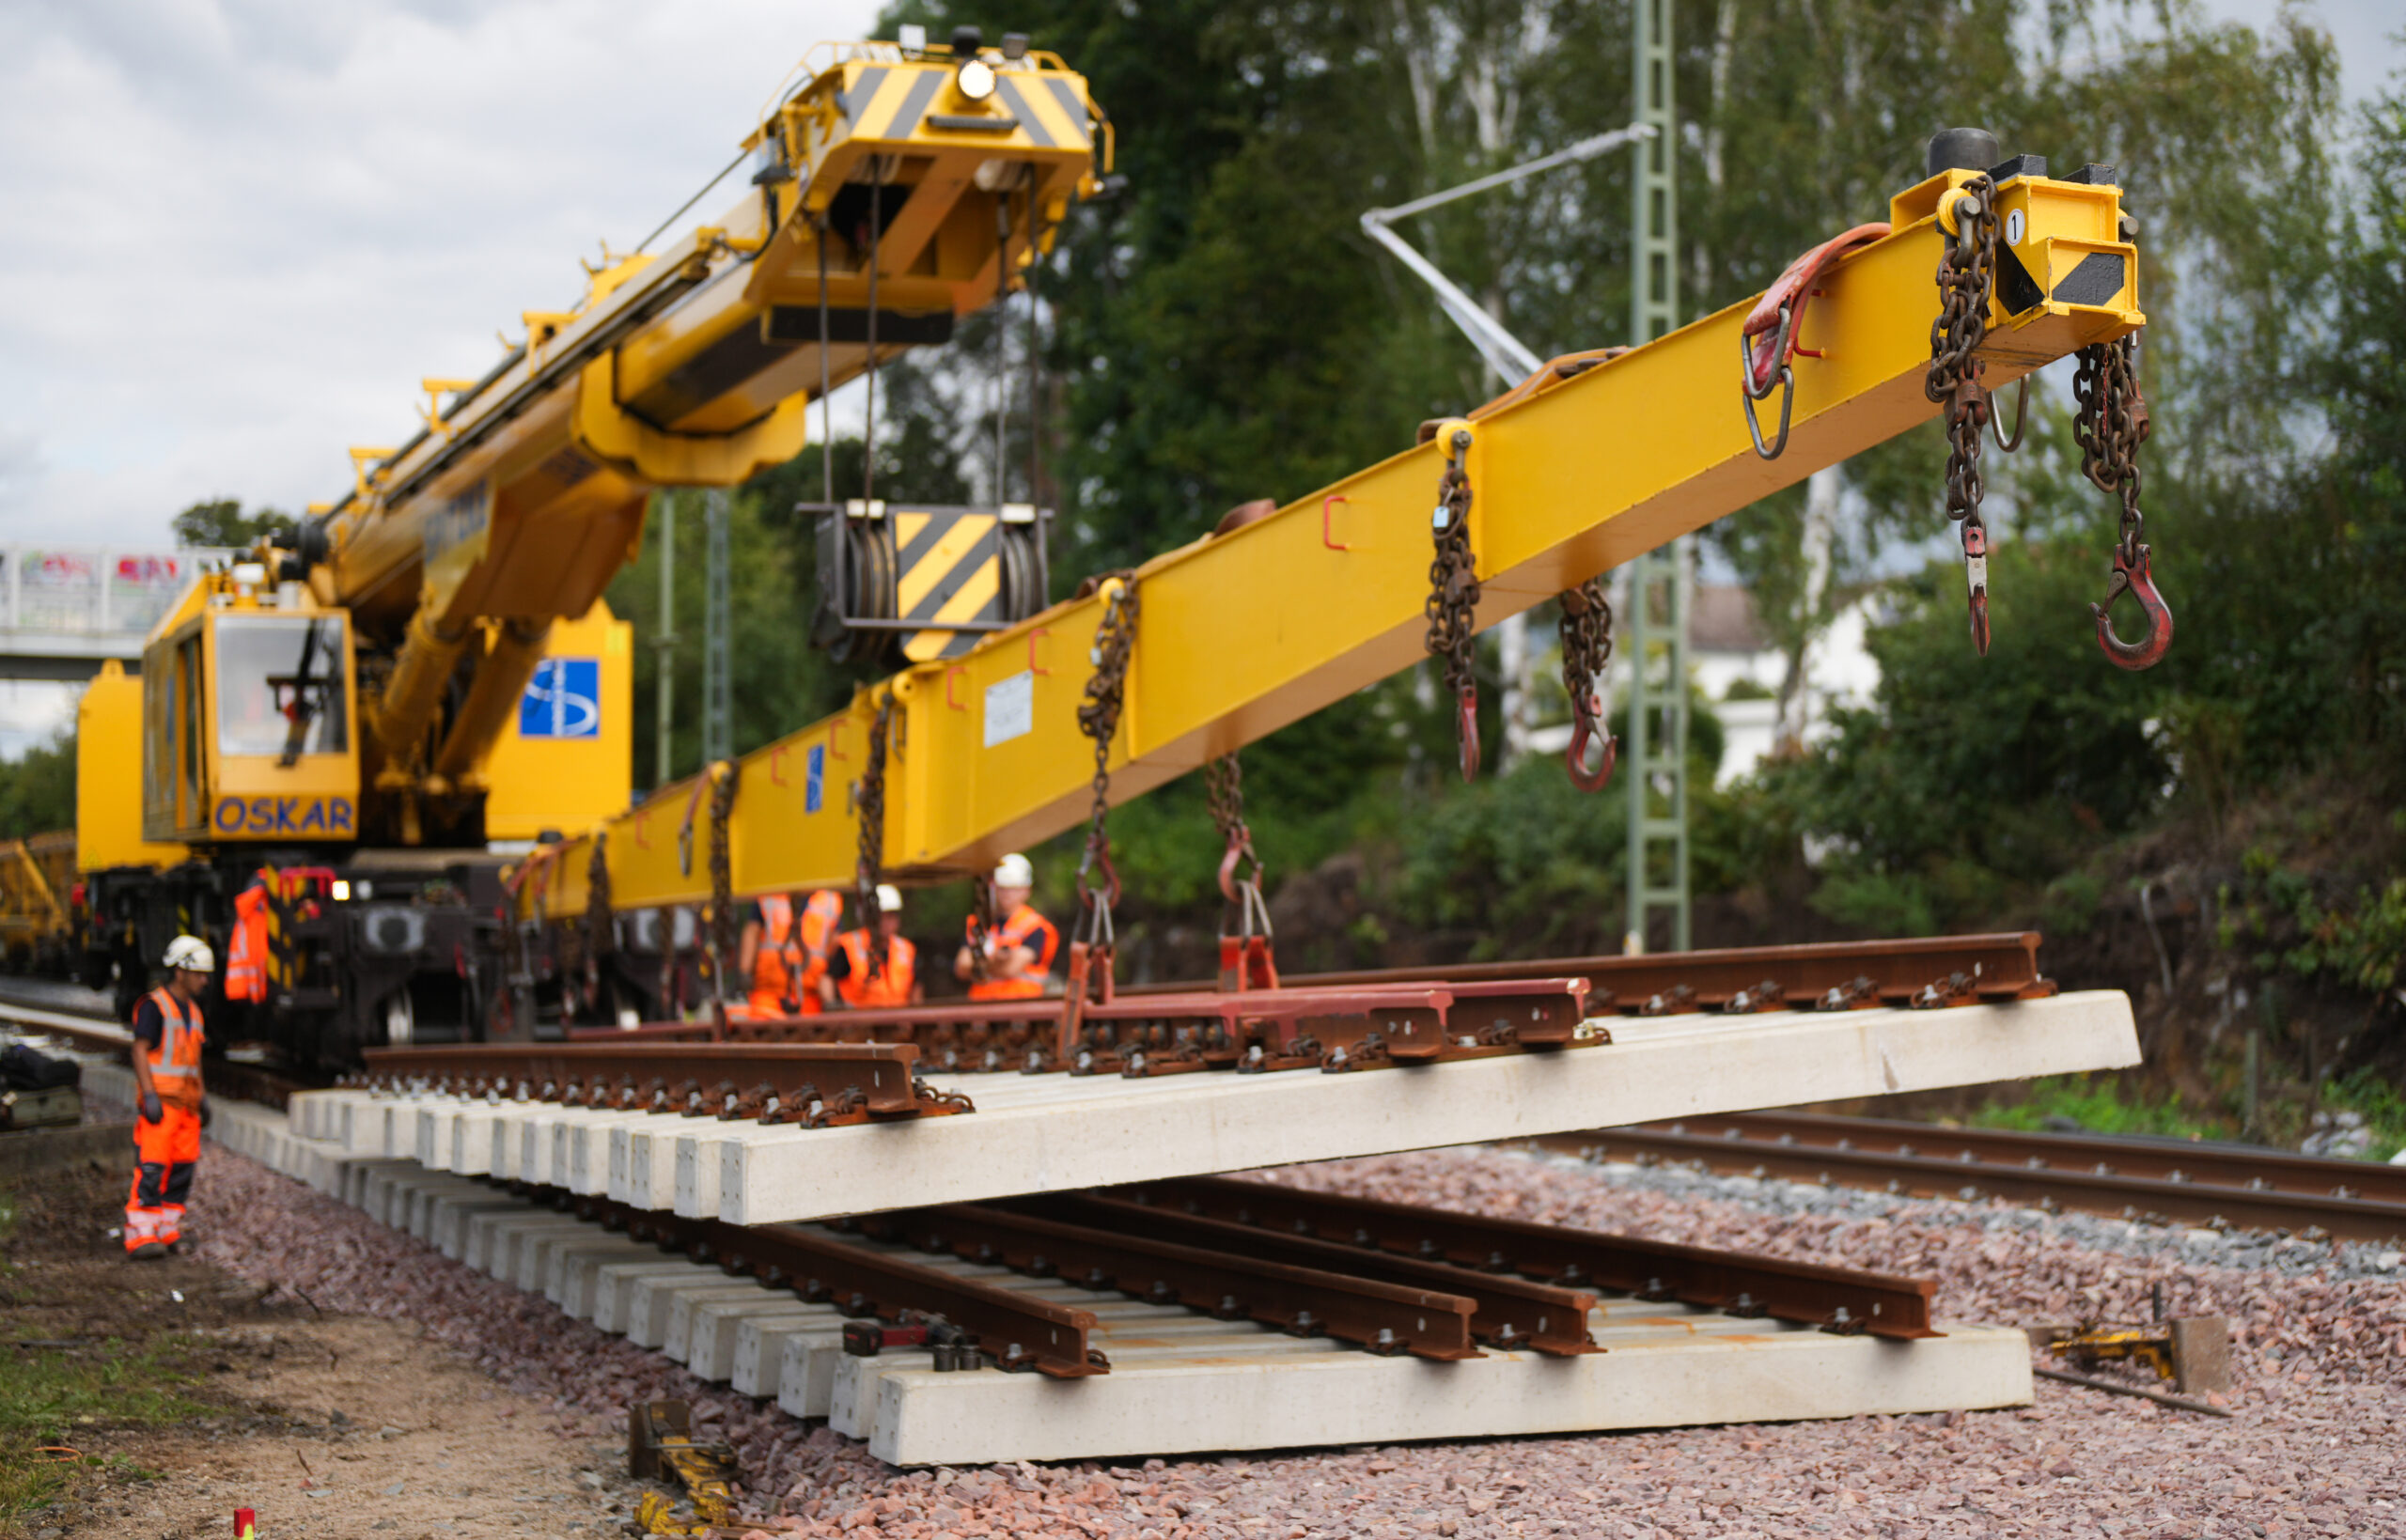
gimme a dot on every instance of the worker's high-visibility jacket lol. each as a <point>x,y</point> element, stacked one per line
<point>1042,939</point>
<point>246,948</point>
<point>772,982</point>
<point>889,985</point>
<point>806,955</point>
<point>175,1062</point>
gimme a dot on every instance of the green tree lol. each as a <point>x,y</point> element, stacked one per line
<point>38,789</point>
<point>220,521</point>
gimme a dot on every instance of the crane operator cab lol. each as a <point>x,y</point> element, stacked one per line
<point>247,717</point>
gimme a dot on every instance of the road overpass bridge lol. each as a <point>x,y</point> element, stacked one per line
<point>64,609</point>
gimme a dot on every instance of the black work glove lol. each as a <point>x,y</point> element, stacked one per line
<point>152,1112</point>
<point>204,1111</point>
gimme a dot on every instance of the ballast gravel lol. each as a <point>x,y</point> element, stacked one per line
<point>2313,1446</point>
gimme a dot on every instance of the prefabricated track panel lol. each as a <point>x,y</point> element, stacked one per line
<point>1179,1382</point>
<point>1040,1133</point>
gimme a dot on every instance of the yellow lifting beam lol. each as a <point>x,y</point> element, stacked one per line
<point>1245,632</point>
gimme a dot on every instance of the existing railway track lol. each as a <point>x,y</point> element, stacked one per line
<point>2213,1186</point>
<point>269,1086</point>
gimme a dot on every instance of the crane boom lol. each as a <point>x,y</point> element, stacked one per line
<point>1580,470</point>
<point>879,186</point>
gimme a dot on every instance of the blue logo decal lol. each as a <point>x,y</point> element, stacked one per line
<point>562,700</point>
<point>814,785</point>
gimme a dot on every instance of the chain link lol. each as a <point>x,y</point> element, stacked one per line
<point>1107,691</point>
<point>1224,794</point>
<point>1245,930</point>
<point>868,805</point>
<point>1453,597</point>
<point>982,912</point>
<point>723,928</point>
<point>1586,653</point>
<point>599,933</point>
<point>2111,422</point>
<point>1967,276</point>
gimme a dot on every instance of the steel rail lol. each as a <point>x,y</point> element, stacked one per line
<point>813,1084</point>
<point>96,1034</point>
<point>1994,966</point>
<point>1511,1312</point>
<point>1300,1300</point>
<point>1023,1332</point>
<point>2173,1195</point>
<point>2103,1155</point>
<point>1834,1298</point>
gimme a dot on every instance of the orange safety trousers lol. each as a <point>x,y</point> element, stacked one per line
<point>165,1154</point>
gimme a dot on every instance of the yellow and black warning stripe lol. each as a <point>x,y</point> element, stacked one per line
<point>1047,108</point>
<point>951,567</point>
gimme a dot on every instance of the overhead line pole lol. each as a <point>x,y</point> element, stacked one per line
<point>1657,775</point>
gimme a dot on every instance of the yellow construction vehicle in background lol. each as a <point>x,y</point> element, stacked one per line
<point>355,715</point>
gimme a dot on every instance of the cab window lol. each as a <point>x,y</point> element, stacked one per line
<point>280,686</point>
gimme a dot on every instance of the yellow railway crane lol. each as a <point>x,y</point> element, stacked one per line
<point>1592,461</point>
<point>351,715</point>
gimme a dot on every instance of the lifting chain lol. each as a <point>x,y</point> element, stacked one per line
<point>1106,693</point>
<point>1586,653</point>
<point>723,929</point>
<point>1245,960</point>
<point>869,807</point>
<point>981,929</point>
<point>2111,423</point>
<point>598,930</point>
<point>1966,275</point>
<point>1453,596</point>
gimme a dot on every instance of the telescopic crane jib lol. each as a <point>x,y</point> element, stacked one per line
<point>426,665</point>
<point>1590,462</point>
<point>891,191</point>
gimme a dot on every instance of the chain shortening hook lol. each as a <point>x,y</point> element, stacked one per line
<point>1583,734</point>
<point>2135,578</point>
<point>1466,729</point>
<point>1976,579</point>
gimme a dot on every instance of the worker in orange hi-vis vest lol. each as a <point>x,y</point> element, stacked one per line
<point>1019,945</point>
<point>762,959</point>
<point>853,978</point>
<point>246,948</point>
<point>784,950</point>
<point>814,939</point>
<point>169,1107</point>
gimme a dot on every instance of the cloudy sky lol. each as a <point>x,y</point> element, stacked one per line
<point>240,231</point>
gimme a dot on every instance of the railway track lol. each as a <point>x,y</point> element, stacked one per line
<point>2212,1186</point>
<point>266,1084</point>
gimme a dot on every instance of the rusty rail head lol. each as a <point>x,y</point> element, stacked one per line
<point>1833,1299</point>
<point>2003,965</point>
<point>810,1083</point>
<point>1511,1312</point>
<point>1022,1332</point>
<point>1302,1301</point>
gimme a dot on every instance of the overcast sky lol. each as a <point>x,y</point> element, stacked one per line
<point>239,231</point>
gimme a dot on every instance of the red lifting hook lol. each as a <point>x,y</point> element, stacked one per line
<point>2148,650</point>
<point>1466,729</point>
<point>1583,733</point>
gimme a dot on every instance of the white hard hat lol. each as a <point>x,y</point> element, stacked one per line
<point>192,953</point>
<point>889,898</point>
<point>1014,871</point>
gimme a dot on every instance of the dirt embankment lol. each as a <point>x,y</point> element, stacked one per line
<point>154,1399</point>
